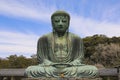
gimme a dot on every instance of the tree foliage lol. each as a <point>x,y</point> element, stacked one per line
<point>14,61</point>
<point>102,50</point>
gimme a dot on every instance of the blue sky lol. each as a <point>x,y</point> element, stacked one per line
<point>22,22</point>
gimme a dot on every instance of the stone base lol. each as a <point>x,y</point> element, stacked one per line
<point>62,79</point>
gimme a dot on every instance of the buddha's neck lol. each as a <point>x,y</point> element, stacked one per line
<point>62,34</point>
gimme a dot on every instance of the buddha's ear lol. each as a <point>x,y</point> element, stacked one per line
<point>53,30</point>
<point>67,30</point>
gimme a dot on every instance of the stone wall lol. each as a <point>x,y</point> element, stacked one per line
<point>62,79</point>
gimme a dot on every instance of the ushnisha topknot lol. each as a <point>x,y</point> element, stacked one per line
<point>60,12</point>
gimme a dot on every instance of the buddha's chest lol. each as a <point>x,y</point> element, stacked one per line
<point>61,48</point>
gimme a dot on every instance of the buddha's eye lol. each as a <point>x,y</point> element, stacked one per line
<point>56,20</point>
<point>64,20</point>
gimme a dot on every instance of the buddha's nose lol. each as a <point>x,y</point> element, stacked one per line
<point>60,23</point>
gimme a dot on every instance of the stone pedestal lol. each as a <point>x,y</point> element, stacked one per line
<point>62,79</point>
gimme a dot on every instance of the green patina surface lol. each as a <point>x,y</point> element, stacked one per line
<point>60,52</point>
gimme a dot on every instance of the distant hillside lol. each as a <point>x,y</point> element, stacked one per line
<point>103,50</point>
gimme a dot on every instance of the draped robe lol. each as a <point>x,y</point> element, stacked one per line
<point>67,61</point>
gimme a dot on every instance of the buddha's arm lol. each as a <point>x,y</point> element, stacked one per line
<point>76,62</point>
<point>48,62</point>
<point>80,55</point>
<point>43,51</point>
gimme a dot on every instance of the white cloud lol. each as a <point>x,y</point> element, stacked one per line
<point>16,8</point>
<point>14,42</point>
<point>90,27</point>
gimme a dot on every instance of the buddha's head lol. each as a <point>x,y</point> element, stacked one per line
<point>60,21</point>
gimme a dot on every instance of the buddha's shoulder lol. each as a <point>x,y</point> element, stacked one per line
<point>49,35</point>
<point>46,35</point>
<point>74,35</point>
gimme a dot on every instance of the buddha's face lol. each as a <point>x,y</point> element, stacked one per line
<point>60,23</point>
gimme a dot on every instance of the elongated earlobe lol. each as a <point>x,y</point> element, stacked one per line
<point>53,31</point>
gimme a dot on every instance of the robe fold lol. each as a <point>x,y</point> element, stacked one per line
<point>50,64</point>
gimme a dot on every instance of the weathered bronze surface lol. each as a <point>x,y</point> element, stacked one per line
<point>60,52</point>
